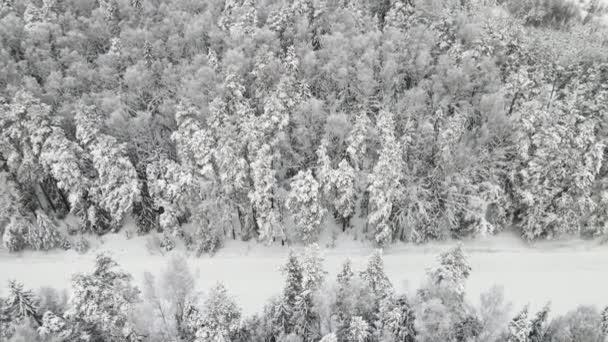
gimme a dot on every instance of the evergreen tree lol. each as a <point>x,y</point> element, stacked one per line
<point>375,277</point>
<point>293,288</point>
<point>21,303</point>
<point>44,234</point>
<point>398,322</point>
<point>452,272</point>
<point>358,330</point>
<point>345,196</point>
<point>103,299</point>
<point>304,202</point>
<point>384,182</point>
<point>519,327</point>
<point>221,318</point>
<point>263,196</point>
<point>538,325</point>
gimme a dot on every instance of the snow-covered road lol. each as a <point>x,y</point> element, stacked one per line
<point>566,273</point>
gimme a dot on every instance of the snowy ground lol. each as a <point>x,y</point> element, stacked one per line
<point>567,273</point>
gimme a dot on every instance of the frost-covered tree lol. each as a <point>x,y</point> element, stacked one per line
<point>116,186</point>
<point>358,330</point>
<point>264,197</point>
<point>104,299</point>
<point>305,204</point>
<point>193,142</point>
<point>519,327</point>
<point>384,182</point>
<point>398,321</point>
<point>538,325</point>
<point>21,303</point>
<point>375,277</point>
<point>344,183</point>
<point>313,274</point>
<point>357,140</point>
<point>221,317</point>
<point>452,271</point>
<point>293,288</point>
<point>43,235</point>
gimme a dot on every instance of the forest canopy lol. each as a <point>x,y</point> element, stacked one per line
<point>267,119</point>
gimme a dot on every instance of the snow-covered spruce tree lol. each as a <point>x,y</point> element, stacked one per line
<point>25,126</point>
<point>62,159</point>
<point>324,170</point>
<point>305,205</point>
<point>104,299</point>
<point>53,325</point>
<point>14,237</point>
<point>313,274</point>
<point>538,325</point>
<point>116,186</point>
<point>519,327</point>
<point>398,321</point>
<point>346,274</point>
<point>193,143</point>
<point>345,199</point>
<point>375,277</point>
<point>263,196</point>
<point>357,140</point>
<point>172,187</point>
<point>21,303</point>
<point>43,235</point>
<point>292,289</point>
<point>331,337</point>
<point>221,317</point>
<point>452,272</point>
<point>384,181</point>
<point>359,330</point>
<point>604,326</point>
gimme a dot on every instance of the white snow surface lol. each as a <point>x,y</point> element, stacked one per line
<point>567,273</point>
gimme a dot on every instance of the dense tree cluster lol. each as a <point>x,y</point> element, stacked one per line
<point>267,120</point>
<point>356,306</point>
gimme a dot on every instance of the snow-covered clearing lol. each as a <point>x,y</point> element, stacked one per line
<point>566,273</point>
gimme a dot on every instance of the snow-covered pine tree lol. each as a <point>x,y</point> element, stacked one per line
<point>357,140</point>
<point>53,325</point>
<point>375,277</point>
<point>44,234</point>
<point>359,330</point>
<point>304,202</point>
<point>452,272</point>
<point>221,318</point>
<point>62,159</point>
<point>345,199</point>
<point>21,303</point>
<point>604,326</point>
<point>263,196</point>
<point>313,274</point>
<point>324,170</point>
<point>398,322</point>
<point>384,182</point>
<point>293,288</point>
<point>104,299</point>
<point>14,237</point>
<point>346,274</point>
<point>116,187</point>
<point>331,337</point>
<point>519,327</point>
<point>538,328</point>
<point>193,143</point>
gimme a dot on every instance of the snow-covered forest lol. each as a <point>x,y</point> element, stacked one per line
<point>296,124</point>
<point>354,305</point>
